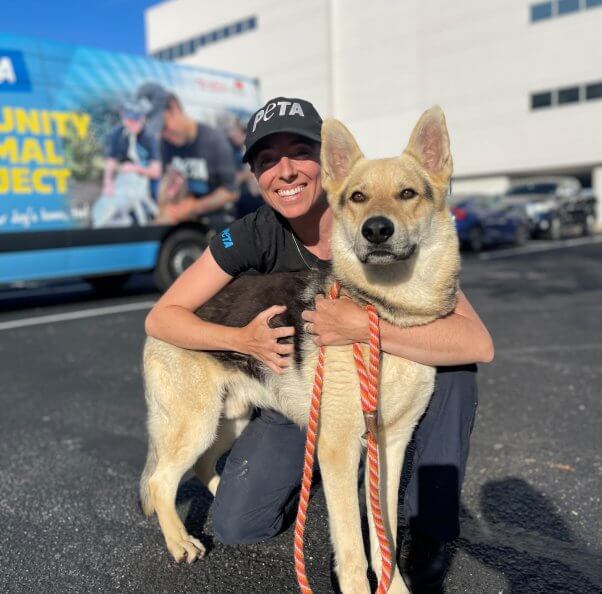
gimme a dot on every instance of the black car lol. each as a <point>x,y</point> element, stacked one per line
<point>554,205</point>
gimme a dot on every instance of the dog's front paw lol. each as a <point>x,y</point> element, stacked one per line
<point>185,548</point>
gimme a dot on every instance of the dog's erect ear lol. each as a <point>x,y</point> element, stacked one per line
<point>339,153</point>
<point>429,144</point>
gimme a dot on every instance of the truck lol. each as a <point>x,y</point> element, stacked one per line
<point>555,205</point>
<point>58,106</point>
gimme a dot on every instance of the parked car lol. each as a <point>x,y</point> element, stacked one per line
<point>555,205</point>
<point>483,220</point>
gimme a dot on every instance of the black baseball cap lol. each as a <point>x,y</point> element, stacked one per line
<point>282,114</point>
<point>158,99</point>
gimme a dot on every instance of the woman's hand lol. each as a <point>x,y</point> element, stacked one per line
<point>261,341</point>
<point>336,322</point>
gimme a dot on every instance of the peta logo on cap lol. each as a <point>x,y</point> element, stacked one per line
<point>13,72</point>
<point>285,108</point>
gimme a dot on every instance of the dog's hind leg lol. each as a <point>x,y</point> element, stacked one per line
<point>392,448</point>
<point>228,433</point>
<point>151,464</point>
<point>178,448</point>
<point>182,391</point>
<point>339,458</point>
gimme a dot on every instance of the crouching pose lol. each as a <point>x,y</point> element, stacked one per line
<point>220,347</point>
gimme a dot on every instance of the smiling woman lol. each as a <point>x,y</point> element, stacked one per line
<point>290,233</point>
<point>288,173</point>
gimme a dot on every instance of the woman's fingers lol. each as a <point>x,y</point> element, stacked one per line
<point>274,368</point>
<point>284,349</point>
<point>283,332</point>
<point>277,363</point>
<point>308,315</point>
<point>269,313</point>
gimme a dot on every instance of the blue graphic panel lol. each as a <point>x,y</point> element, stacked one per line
<point>58,103</point>
<point>13,73</point>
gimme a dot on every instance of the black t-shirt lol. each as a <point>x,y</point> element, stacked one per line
<point>118,144</point>
<point>207,162</point>
<point>261,241</point>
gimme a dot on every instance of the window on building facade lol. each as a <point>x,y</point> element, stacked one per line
<point>567,6</point>
<point>541,11</point>
<point>593,91</point>
<point>568,95</point>
<point>190,46</point>
<point>553,8</point>
<point>543,99</point>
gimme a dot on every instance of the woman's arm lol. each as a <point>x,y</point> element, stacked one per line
<point>173,320</point>
<point>461,337</point>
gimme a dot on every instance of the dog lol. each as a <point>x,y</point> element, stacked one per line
<point>173,189</point>
<point>393,245</point>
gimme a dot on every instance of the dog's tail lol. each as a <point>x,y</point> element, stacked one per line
<point>149,468</point>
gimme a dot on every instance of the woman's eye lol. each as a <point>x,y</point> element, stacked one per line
<point>357,197</point>
<point>408,193</point>
<point>266,163</point>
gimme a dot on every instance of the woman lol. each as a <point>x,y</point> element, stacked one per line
<point>259,484</point>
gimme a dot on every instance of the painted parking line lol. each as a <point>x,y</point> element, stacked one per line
<point>547,247</point>
<point>76,315</point>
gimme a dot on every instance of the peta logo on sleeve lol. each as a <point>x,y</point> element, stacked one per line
<point>278,108</point>
<point>226,238</point>
<point>13,72</point>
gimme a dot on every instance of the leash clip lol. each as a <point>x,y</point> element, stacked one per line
<point>371,423</point>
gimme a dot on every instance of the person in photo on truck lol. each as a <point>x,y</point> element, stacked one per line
<point>198,162</point>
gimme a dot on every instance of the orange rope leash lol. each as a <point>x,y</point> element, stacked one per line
<point>369,398</point>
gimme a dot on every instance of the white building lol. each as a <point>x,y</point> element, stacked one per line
<point>520,81</point>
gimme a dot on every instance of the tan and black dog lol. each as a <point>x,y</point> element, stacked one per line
<point>393,245</point>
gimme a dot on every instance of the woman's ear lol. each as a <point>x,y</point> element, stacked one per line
<point>339,153</point>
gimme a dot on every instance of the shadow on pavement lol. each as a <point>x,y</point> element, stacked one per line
<point>191,490</point>
<point>525,540</point>
<point>69,293</point>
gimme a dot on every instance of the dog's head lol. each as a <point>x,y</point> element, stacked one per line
<point>384,209</point>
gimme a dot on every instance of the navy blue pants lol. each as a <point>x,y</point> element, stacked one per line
<point>257,495</point>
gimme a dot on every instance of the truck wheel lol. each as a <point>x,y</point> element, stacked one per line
<point>178,252</point>
<point>107,285</point>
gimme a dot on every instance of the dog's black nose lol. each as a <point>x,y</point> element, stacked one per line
<point>377,229</point>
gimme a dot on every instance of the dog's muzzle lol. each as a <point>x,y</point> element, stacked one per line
<point>378,229</point>
<point>381,244</point>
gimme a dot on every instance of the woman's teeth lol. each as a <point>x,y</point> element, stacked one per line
<point>291,191</point>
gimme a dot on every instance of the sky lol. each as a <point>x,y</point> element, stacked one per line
<point>116,25</point>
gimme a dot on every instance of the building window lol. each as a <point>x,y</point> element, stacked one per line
<point>568,95</point>
<point>190,46</point>
<point>541,11</point>
<point>539,100</point>
<point>567,6</point>
<point>593,91</point>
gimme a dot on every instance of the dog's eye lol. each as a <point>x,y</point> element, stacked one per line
<point>408,193</point>
<point>357,197</point>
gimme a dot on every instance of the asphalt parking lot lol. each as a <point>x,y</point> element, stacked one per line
<point>73,445</point>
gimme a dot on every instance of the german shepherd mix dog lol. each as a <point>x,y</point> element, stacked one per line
<point>393,245</point>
